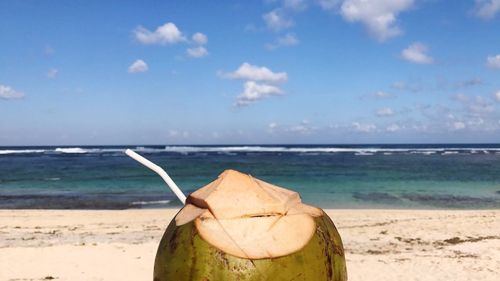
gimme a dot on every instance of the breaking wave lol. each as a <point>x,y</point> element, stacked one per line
<point>21,151</point>
<point>233,150</point>
<point>158,202</point>
<point>357,151</point>
<point>71,150</point>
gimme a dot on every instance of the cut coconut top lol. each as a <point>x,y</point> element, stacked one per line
<point>249,218</point>
<point>235,195</point>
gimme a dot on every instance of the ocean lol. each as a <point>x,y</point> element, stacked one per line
<point>410,176</point>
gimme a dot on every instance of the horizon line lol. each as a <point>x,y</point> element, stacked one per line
<point>262,144</point>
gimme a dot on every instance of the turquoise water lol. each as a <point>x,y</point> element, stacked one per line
<point>331,176</point>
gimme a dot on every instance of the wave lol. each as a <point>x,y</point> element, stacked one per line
<point>148,149</point>
<point>52,179</point>
<point>191,149</point>
<point>21,151</point>
<point>71,150</point>
<point>79,150</point>
<point>275,149</point>
<point>163,202</point>
<point>363,153</point>
<point>360,151</point>
<point>234,150</point>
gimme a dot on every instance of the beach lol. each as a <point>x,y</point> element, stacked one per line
<point>121,244</point>
<point>249,119</point>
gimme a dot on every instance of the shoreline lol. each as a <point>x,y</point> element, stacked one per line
<point>385,244</point>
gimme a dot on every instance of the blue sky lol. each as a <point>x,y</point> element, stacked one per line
<point>208,72</point>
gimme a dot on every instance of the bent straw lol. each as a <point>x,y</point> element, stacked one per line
<point>160,172</point>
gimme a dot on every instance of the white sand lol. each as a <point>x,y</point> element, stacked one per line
<point>121,245</point>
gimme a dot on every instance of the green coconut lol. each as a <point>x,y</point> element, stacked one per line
<point>242,228</point>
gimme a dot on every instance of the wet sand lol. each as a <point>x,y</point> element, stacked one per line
<point>121,245</point>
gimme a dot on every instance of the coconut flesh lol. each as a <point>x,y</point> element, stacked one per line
<point>249,220</point>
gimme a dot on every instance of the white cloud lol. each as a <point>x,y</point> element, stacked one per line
<point>477,105</point>
<point>8,93</point>
<point>253,92</point>
<point>381,95</point>
<point>399,85</point>
<point>328,4</point>
<point>52,73</point>
<point>468,83</point>
<point>417,53</point>
<point>385,112</point>
<point>273,127</point>
<point>475,122</point>
<point>420,127</point>
<point>363,127</point>
<point>303,128</point>
<point>178,134</point>
<point>276,20</point>
<point>169,34</point>
<point>497,96</point>
<point>164,35</point>
<point>493,61</point>
<point>298,129</point>
<point>461,97</point>
<point>286,40</point>
<point>379,16</point>
<point>255,73</point>
<point>200,38</point>
<point>480,105</point>
<point>297,5</point>
<point>138,66</point>
<point>458,125</point>
<point>408,86</point>
<point>197,52</point>
<point>173,133</point>
<point>392,128</point>
<point>487,9</point>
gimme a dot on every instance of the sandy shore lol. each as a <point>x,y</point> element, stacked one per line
<point>121,245</point>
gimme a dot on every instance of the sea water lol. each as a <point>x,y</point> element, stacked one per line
<point>330,176</point>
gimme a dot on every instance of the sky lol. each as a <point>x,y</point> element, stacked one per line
<point>249,72</point>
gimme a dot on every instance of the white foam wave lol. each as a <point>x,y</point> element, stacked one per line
<point>17,151</point>
<point>191,149</point>
<point>361,151</point>
<point>70,150</point>
<point>79,150</point>
<point>52,179</point>
<point>148,149</point>
<point>232,150</point>
<point>151,202</point>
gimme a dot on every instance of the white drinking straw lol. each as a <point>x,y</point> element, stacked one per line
<point>160,172</point>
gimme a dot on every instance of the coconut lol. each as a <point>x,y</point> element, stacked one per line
<point>241,228</point>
